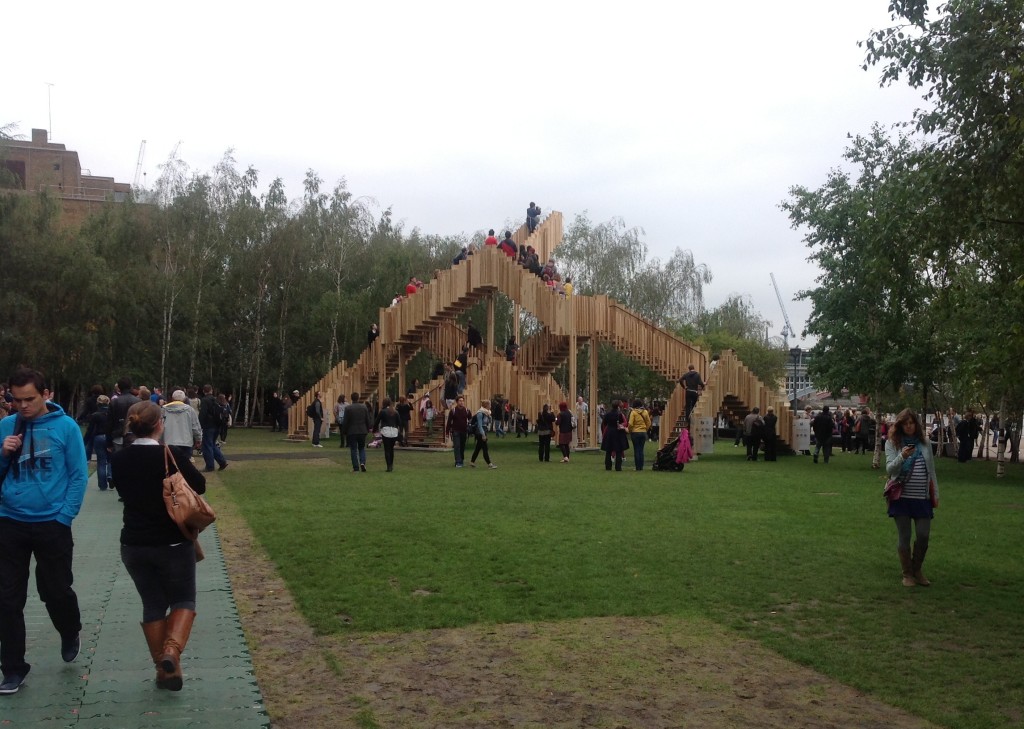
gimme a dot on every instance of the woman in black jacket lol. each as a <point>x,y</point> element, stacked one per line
<point>545,424</point>
<point>388,422</point>
<point>614,441</point>
<point>160,560</point>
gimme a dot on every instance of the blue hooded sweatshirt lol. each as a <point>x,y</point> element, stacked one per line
<point>46,481</point>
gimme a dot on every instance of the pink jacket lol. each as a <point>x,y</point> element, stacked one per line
<point>684,454</point>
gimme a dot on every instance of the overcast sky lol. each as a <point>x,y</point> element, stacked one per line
<point>689,120</point>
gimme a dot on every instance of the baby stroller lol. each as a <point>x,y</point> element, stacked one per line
<point>665,460</point>
<point>676,453</point>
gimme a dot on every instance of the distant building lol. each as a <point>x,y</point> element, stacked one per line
<point>43,166</point>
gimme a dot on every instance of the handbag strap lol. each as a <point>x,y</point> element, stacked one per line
<point>167,464</point>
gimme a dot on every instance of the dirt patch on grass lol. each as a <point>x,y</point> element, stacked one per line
<point>597,672</point>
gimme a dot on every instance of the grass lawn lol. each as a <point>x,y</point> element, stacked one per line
<point>800,557</point>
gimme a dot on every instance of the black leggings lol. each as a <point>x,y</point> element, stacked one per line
<point>565,449</point>
<point>544,448</point>
<point>389,451</point>
<point>481,445</point>
<point>922,526</point>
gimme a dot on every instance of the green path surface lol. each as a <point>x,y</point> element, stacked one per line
<point>110,684</point>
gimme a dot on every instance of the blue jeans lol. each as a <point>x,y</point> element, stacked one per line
<point>211,451</point>
<point>639,440</point>
<point>459,446</point>
<point>99,443</point>
<point>357,447</point>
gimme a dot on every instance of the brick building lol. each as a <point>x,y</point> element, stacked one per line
<point>43,166</point>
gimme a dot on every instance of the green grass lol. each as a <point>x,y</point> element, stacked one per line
<point>796,555</point>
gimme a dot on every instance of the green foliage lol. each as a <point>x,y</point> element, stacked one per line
<point>736,325</point>
<point>965,56</point>
<point>428,546</point>
<point>875,310</point>
<point>609,258</point>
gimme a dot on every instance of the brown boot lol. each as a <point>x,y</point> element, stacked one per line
<point>155,633</point>
<point>917,561</point>
<point>179,626</point>
<point>908,567</point>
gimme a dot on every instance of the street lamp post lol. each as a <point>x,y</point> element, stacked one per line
<point>794,354</point>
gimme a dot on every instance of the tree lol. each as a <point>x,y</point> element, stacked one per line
<point>966,56</point>
<point>735,324</point>
<point>872,307</point>
<point>611,259</point>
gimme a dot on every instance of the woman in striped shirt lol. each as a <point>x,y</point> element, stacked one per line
<point>908,458</point>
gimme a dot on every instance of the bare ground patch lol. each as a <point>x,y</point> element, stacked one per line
<point>597,672</point>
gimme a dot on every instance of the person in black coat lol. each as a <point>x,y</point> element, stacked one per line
<point>160,560</point>
<point>771,420</point>
<point>823,425</point>
<point>614,440</point>
<point>388,424</point>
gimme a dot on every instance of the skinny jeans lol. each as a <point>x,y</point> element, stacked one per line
<point>164,576</point>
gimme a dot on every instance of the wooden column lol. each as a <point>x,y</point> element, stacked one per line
<point>490,325</point>
<point>594,425</point>
<point>572,359</point>
<point>401,372</point>
<point>382,375</point>
<point>516,311</point>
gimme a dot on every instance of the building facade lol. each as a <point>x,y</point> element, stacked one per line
<point>40,165</point>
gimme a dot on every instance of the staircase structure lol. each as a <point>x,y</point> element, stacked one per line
<point>427,320</point>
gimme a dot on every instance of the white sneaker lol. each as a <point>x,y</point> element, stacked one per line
<point>492,465</point>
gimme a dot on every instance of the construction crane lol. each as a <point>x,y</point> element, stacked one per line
<point>787,330</point>
<point>138,165</point>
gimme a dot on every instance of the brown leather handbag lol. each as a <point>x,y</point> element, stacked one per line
<point>186,508</point>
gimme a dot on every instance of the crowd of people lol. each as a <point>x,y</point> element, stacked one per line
<point>139,438</point>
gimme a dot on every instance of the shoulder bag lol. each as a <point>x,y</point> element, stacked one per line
<point>186,508</point>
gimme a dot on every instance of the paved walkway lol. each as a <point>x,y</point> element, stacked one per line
<point>110,684</point>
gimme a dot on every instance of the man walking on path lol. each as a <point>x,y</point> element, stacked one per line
<point>209,419</point>
<point>44,475</point>
<point>457,428</point>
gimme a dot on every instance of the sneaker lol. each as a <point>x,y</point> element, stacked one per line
<point>362,467</point>
<point>492,465</point>
<point>223,466</point>
<point>458,465</point>
<point>472,465</point>
<point>12,683</point>
<point>69,648</point>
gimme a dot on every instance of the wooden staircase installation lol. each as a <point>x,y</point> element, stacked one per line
<point>425,320</point>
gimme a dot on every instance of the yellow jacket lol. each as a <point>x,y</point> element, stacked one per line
<point>639,420</point>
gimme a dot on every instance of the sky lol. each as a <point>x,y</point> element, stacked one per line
<point>688,120</point>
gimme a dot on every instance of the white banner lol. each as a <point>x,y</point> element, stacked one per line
<point>801,434</point>
<point>703,435</point>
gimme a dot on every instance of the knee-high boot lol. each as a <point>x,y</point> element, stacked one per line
<point>908,567</point>
<point>919,551</point>
<point>156,636</point>
<point>179,626</point>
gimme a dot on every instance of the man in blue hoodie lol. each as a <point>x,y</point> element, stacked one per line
<point>43,475</point>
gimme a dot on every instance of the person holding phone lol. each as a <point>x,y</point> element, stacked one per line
<point>44,473</point>
<point>908,458</point>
